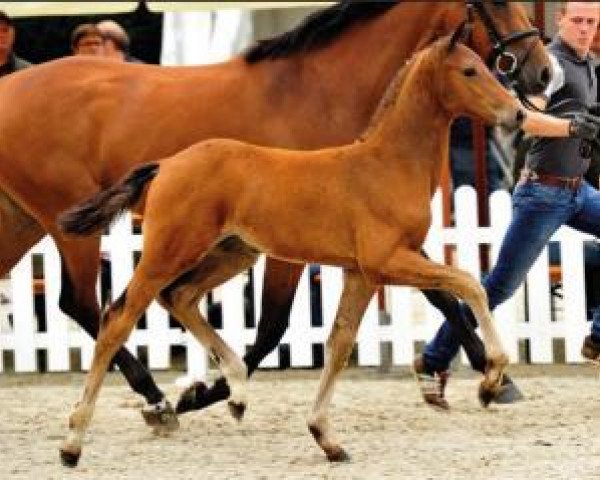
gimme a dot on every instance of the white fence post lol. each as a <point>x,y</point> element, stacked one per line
<point>56,321</point>
<point>23,316</point>
<point>574,323</point>
<point>298,335</point>
<point>505,315</point>
<point>540,338</point>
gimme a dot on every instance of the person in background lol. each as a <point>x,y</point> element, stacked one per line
<point>87,39</point>
<point>9,62</point>
<point>551,192</point>
<point>593,173</point>
<point>116,41</point>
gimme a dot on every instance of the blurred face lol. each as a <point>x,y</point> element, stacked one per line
<point>112,51</point>
<point>577,25</point>
<point>89,45</point>
<point>7,38</point>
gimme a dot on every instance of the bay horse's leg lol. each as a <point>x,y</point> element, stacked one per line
<point>279,286</point>
<point>406,267</point>
<point>78,300</point>
<point>449,306</point>
<point>19,231</point>
<point>354,301</point>
<point>118,322</point>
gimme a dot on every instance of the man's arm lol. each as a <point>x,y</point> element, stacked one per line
<point>539,124</point>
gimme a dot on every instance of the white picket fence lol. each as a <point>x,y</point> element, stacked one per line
<point>410,318</point>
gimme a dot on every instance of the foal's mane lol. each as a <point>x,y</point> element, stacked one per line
<point>392,93</point>
<point>317,30</point>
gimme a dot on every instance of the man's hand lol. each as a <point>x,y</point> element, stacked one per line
<point>584,126</point>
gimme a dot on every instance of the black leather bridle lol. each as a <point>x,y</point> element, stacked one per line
<point>501,59</point>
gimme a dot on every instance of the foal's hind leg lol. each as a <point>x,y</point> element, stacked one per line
<point>354,301</point>
<point>181,299</point>
<point>117,325</point>
<point>406,267</point>
<point>165,256</point>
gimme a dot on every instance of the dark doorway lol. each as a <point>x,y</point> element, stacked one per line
<point>40,39</point>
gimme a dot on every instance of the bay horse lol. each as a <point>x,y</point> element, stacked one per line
<point>74,126</point>
<point>363,206</point>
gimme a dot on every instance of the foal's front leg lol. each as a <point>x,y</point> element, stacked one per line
<point>354,301</point>
<point>181,299</point>
<point>406,267</point>
<point>279,286</point>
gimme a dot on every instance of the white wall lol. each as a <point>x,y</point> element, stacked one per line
<point>198,38</point>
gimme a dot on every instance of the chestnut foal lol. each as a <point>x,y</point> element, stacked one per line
<point>300,90</point>
<point>364,207</point>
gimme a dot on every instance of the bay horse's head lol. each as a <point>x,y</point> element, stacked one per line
<point>503,35</point>
<point>464,85</point>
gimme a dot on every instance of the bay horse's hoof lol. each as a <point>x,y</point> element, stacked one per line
<point>68,458</point>
<point>237,410</point>
<point>504,394</point>
<point>338,455</point>
<point>199,396</point>
<point>189,398</point>
<point>508,393</point>
<point>161,417</point>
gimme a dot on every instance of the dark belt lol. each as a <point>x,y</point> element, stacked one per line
<point>570,183</point>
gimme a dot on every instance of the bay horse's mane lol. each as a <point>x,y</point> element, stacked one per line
<point>317,30</point>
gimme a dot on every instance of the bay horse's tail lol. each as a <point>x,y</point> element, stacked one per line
<point>99,211</point>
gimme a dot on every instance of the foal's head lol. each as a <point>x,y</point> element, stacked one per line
<point>464,85</point>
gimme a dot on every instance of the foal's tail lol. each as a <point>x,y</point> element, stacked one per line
<point>99,211</point>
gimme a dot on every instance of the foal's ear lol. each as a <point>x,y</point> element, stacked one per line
<point>460,35</point>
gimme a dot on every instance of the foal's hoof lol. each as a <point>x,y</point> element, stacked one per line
<point>237,410</point>
<point>69,458</point>
<point>161,417</point>
<point>338,455</point>
<point>485,395</point>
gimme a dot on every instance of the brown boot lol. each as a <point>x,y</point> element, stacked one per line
<point>591,349</point>
<point>432,386</point>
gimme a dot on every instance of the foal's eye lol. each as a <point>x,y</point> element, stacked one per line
<point>469,72</point>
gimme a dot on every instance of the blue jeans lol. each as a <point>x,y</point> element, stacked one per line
<point>538,211</point>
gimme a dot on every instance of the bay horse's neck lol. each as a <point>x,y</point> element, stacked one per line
<point>350,76</point>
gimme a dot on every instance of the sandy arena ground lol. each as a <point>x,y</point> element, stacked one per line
<point>553,434</point>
